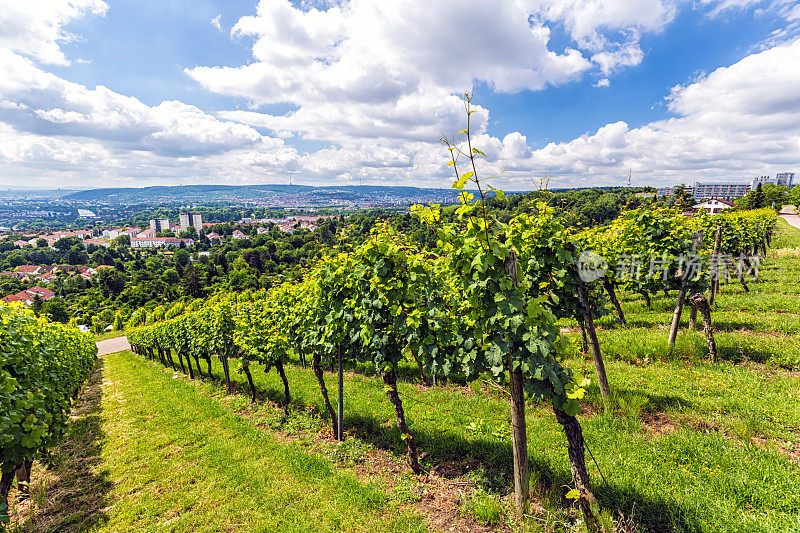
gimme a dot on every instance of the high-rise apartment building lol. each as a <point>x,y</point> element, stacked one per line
<point>784,178</point>
<point>188,220</point>
<point>159,224</point>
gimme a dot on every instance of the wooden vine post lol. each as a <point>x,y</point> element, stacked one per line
<point>340,406</point>
<point>591,332</point>
<point>518,425</point>
<point>608,285</point>
<point>715,280</point>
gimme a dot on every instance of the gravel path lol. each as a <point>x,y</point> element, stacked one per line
<point>789,214</point>
<point>794,220</point>
<point>116,344</point>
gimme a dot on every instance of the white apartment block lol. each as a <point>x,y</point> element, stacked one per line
<point>159,224</point>
<point>159,242</point>
<point>727,190</point>
<point>188,220</point>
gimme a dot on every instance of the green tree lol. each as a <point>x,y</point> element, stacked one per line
<point>66,243</point>
<point>56,309</point>
<point>171,277</point>
<point>794,196</point>
<point>776,196</point>
<point>189,233</point>
<point>77,255</point>
<point>682,197</point>
<point>37,304</point>
<point>192,285</point>
<point>111,281</point>
<point>758,199</point>
<point>181,257</point>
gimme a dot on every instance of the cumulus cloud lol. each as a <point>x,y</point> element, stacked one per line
<point>361,71</point>
<point>376,84</point>
<point>49,105</point>
<point>382,70</point>
<point>35,29</point>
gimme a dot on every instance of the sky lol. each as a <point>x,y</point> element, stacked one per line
<point>105,93</point>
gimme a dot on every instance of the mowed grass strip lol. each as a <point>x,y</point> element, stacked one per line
<point>179,461</point>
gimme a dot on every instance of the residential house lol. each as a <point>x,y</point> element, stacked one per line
<point>29,270</point>
<point>28,295</point>
<point>714,205</point>
<point>113,233</point>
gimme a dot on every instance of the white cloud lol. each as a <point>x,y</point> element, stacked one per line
<point>49,105</point>
<point>215,22</point>
<point>35,28</point>
<point>626,56</point>
<point>605,82</point>
<point>373,72</point>
<point>368,52</point>
<point>786,10</point>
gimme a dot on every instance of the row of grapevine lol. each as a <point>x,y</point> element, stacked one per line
<point>653,250</point>
<point>42,367</point>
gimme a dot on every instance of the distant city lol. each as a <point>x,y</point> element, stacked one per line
<point>99,205</point>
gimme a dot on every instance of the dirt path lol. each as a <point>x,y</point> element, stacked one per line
<point>116,344</point>
<point>790,215</point>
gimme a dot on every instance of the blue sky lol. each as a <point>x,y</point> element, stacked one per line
<point>334,93</point>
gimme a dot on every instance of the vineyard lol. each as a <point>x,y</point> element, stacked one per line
<point>638,374</point>
<point>42,368</point>
<point>708,431</point>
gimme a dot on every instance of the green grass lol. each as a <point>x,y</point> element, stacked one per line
<point>785,235</point>
<point>704,472</point>
<point>176,459</point>
<point>108,335</point>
